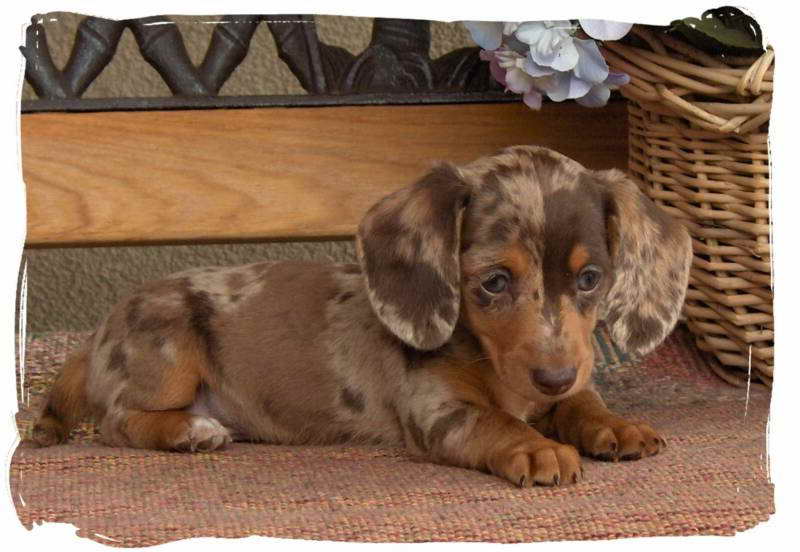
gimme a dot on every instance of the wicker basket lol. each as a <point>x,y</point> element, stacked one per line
<point>698,147</point>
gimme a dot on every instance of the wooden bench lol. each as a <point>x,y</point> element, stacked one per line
<point>152,177</point>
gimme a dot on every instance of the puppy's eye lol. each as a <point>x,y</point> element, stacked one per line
<point>497,283</point>
<point>589,278</point>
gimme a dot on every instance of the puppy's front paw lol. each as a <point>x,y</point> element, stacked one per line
<point>613,439</point>
<point>203,435</point>
<point>538,462</point>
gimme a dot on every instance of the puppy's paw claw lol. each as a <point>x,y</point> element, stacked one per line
<point>616,439</point>
<point>539,462</point>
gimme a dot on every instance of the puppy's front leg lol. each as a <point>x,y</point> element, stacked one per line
<point>583,421</point>
<point>470,436</point>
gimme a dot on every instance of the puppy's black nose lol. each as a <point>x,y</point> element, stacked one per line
<point>554,381</point>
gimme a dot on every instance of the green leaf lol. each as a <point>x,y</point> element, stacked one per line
<point>725,30</point>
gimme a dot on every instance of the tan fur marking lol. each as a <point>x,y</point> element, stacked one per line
<point>584,421</point>
<point>578,258</point>
<point>509,448</point>
<point>180,381</point>
<point>578,328</point>
<point>156,430</point>
<point>66,403</point>
<point>463,378</point>
<point>517,259</point>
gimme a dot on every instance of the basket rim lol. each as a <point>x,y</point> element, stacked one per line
<point>696,86</point>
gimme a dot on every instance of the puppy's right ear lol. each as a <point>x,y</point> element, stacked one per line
<point>408,245</point>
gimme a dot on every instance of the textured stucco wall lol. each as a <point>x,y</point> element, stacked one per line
<point>70,289</point>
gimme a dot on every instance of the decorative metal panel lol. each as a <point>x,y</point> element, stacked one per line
<point>395,68</point>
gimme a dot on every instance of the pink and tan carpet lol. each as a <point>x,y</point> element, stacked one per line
<point>711,480</point>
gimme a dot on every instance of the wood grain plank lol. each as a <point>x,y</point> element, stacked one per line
<point>274,173</point>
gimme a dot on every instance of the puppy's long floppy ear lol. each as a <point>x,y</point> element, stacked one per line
<point>408,245</point>
<point>651,253</point>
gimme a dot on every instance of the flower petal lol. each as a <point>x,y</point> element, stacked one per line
<point>533,99</point>
<point>556,86</point>
<point>529,31</point>
<point>605,30</point>
<point>566,56</point>
<point>597,96</point>
<point>497,72</point>
<point>577,88</point>
<point>518,81</point>
<point>486,34</point>
<point>564,25</point>
<point>554,49</point>
<point>615,80</point>
<point>534,69</point>
<point>516,45</point>
<point>591,66</point>
<point>510,27</point>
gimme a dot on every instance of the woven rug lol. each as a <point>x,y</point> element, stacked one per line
<point>711,480</point>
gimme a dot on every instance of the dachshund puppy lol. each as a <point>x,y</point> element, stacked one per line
<point>464,333</point>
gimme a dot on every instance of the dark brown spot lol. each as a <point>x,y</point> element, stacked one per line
<point>134,311</point>
<point>201,312</point>
<point>416,358</point>
<point>342,437</point>
<point>235,280</point>
<point>351,269</point>
<point>444,425</point>
<point>501,231</point>
<point>643,330</point>
<point>344,297</point>
<point>416,433</point>
<point>415,290</point>
<point>118,360</point>
<point>151,324</point>
<point>268,407</point>
<point>50,411</point>
<point>352,399</point>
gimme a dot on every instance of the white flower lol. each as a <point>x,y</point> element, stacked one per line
<point>489,35</point>
<point>506,67</point>
<point>486,34</point>
<point>605,30</point>
<point>599,93</point>
<point>544,57</point>
<point>551,43</point>
<point>562,86</point>
<point>591,66</point>
<point>510,27</point>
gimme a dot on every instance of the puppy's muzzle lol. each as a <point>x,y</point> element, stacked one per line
<point>554,381</point>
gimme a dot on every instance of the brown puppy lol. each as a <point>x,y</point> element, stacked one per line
<point>469,318</point>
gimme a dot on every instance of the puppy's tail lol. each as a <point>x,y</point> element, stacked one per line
<point>66,404</point>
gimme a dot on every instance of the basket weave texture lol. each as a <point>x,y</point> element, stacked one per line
<point>698,148</point>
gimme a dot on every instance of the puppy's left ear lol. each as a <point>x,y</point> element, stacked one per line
<point>408,245</point>
<point>651,253</point>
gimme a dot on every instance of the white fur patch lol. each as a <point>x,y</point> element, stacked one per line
<point>204,434</point>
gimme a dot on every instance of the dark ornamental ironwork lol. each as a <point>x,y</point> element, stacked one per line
<point>396,66</point>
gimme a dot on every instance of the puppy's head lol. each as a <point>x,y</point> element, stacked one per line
<point>527,249</point>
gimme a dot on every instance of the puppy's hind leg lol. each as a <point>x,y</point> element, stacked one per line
<point>172,430</point>
<point>66,403</point>
<point>151,410</point>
